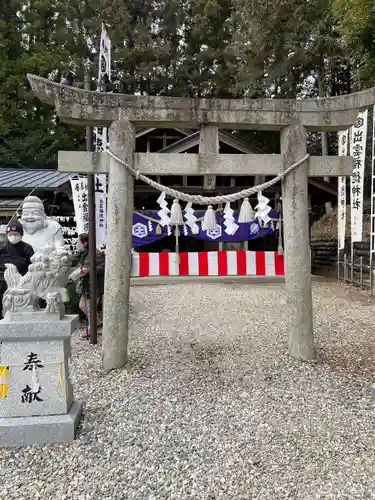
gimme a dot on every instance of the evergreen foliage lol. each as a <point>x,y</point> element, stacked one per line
<point>204,48</point>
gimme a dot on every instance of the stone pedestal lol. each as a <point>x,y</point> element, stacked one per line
<point>36,396</point>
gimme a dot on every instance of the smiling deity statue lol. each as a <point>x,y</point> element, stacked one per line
<point>40,231</point>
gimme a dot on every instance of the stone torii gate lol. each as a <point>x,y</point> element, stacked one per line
<point>122,113</point>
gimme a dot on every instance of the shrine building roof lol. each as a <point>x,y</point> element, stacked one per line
<point>25,178</point>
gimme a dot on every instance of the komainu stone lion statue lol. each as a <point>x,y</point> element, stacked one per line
<point>46,279</point>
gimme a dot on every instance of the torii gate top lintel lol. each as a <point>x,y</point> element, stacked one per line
<point>79,106</point>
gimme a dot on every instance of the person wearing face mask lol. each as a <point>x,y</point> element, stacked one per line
<point>14,251</point>
<point>82,276</point>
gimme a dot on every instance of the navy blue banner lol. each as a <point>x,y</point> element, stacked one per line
<point>146,231</point>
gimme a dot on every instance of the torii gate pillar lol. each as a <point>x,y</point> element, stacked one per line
<point>119,245</point>
<point>297,255</point>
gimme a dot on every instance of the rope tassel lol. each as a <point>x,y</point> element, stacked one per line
<point>246,212</point>
<point>176,214</point>
<point>209,221</point>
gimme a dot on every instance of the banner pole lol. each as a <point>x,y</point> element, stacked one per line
<point>372,215</point>
<point>338,251</point>
<point>92,231</point>
<point>341,200</point>
<point>358,137</point>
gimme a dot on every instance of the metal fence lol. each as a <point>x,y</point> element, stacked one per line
<point>355,272</point>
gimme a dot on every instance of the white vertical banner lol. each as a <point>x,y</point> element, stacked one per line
<point>104,74</point>
<point>105,54</point>
<point>80,203</point>
<point>358,137</point>
<point>101,210</point>
<point>76,193</point>
<point>101,144</point>
<point>341,203</point>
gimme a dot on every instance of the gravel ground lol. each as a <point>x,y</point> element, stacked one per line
<point>211,407</point>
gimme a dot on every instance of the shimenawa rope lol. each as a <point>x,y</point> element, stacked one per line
<point>203,200</point>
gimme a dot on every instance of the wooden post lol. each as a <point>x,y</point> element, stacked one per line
<point>119,244</point>
<point>92,234</point>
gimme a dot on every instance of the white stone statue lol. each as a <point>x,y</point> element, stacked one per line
<point>46,279</point>
<point>40,231</point>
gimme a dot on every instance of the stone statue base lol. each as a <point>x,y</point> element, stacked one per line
<point>36,396</point>
<point>50,429</point>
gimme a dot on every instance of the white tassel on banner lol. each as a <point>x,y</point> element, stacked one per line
<point>231,226</point>
<point>186,233</point>
<point>164,212</point>
<point>262,209</point>
<point>246,211</point>
<point>149,226</point>
<point>191,220</point>
<point>209,221</point>
<point>176,214</point>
